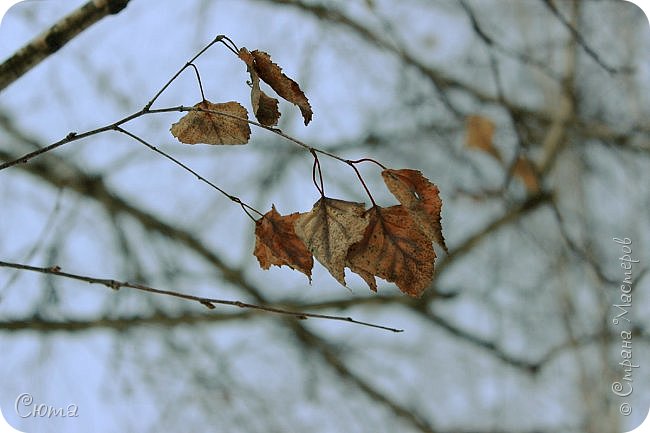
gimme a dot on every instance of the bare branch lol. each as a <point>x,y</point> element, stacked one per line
<point>207,302</point>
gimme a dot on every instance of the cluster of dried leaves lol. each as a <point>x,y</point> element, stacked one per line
<point>227,123</point>
<point>393,243</point>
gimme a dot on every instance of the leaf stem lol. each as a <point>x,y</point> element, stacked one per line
<point>198,78</point>
<point>232,48</point>
<point>357,161</point>
<point>356,170</point>
<point>316,166</point>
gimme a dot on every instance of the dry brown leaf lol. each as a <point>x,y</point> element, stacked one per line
<point>265,108</point>
<point>525,171</point>
<point>271,74</point>
<point>420,197</point>
<point>393,248</point>
<point>329,229</point>
<point>480,132</point>
<point>212,128</point>
<point>276,243</point>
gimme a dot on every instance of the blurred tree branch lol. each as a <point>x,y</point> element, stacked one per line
<point>577,36</point>
<point>40,324</point>
<point>334,360</point>
<point>443,83</point>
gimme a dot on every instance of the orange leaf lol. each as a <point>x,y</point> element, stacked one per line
<point>213,128</point>
<point>525,171</point>
<point>276,243</point>
<point>480,131</point>
<point>393,248</point>
<point>271,74</point>
<point>421,198</point>
<point>329,229</point>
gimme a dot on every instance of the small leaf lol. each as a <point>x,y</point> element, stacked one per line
<point>265,108</point>
<point>271,74</point>
<point>480,132</point>
<point>421,198</point>
<point>525,171</point>
<point>393,248</point>
<point>213,128</point>
<point>329,229</point>
<point>276,243</point>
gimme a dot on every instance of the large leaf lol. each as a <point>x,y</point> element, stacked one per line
<point>393,248</point>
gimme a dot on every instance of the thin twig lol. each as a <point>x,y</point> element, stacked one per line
<point>207,302</point>
<point>116,126</point>
<point>578,37</point>
<point>171,80</point>
<point>73,136</point>
<point>231,197</point>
